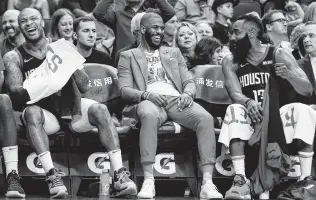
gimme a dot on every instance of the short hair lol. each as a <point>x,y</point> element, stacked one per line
<point>191,27</point>
<point>147,16</point>
<point>135,23</point>
<point>255,21</point>
<point>58,14</point>
<point>310,14</point>
<point>203,22</point>
<point>267,18</point>
<point>82,19</point>
<point>207,46</point>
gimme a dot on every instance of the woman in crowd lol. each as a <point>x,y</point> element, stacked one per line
<point>204,29</point>
<point>209,51</point>
<point>62,25</point>
<point>41,5</point>
<point>186,39</point>
<point>297,42</point>
<point>310,14</point>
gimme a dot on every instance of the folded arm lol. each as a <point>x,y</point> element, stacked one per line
<point>166,9</point>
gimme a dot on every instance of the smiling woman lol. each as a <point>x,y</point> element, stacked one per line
<point>62,25</point>
<point>186,38</point>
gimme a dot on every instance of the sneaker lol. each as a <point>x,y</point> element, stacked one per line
<point>14,189</point>
<point>209,191</point>
<point>123,185</point>
<point>240,188</point>
<point>56,186</point>
<point>264,195</point>
<point>148,190</point>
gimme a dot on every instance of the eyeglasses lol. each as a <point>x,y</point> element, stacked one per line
<point>282,21</point>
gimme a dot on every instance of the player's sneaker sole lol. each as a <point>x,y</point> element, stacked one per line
<point>237,196</point>
<point>14,194</point>
<point>60,195</point>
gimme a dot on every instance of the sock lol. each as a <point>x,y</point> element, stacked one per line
<point>239,164</point>
<point>207,172</point>
<point>46,161</point>
<point>306,159</point>
<point>116,159</point>
<point>148,171</point>
<point>10,155</point>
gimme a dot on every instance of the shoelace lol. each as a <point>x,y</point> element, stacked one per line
<point>239,181</point>
<point>55,179</point>
<point>124,176</point>
<point>13,179</point>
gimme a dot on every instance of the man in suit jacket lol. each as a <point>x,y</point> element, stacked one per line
<point>308,63</point>
<point>156,82</point>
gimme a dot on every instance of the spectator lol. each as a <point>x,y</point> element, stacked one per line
<point>85,35</point>
<point>79,7</point>
<point>293,13</point>
<point>193,11</point>
<point>224,10</point>
<point>119,18</point>
<point>187,37</point>
<point>62,25</point>
<point>308,64</point>
<point>13,36</point>
<point>275,26</point>
<point>135,28</point>
<point>204,29</point>
<point>171,27</point>
<point>158,88</point>
<point>310,14</point>
<point>297,42</point>
<point>208,51</point>
<point>40,5</point>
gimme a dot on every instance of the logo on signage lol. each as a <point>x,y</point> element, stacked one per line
<point>224,165</point>
<point>34,164</point>
<point>99,161</point>
<point>165,163</point>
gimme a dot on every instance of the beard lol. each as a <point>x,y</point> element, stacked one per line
<point>240,48</point>
<point>148,38</point>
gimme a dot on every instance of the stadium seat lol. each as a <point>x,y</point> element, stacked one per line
<point>245,7</point>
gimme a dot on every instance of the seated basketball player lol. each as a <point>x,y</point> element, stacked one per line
<point>247,73</point>
<point>41,119</point>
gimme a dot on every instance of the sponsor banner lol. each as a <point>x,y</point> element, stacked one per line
<point>29,164</point>
<point>170,165</point>
<point>92,164</point>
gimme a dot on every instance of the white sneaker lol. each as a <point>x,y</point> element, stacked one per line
<point>264,195</point>
<point>148,190</point>
<point>209,191</point>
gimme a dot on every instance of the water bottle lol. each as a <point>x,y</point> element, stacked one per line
<point>105,183</point>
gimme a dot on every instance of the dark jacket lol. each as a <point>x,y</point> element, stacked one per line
<point>306,65</point>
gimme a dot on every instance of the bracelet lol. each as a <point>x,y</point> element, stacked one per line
<point>189,93</point>
<point>145,95</point>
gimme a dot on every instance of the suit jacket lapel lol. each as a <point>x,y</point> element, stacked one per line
<point>310,73</point>
<point>140,57</point>
<point>166,61</point>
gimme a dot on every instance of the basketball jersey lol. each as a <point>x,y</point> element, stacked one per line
<point>253,79</point>
<point>28,63</point>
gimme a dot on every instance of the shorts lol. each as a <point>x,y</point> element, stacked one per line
<point>51,123</point>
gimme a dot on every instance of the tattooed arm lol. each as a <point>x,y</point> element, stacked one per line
<point>82,80</point>
<point>14,78</point>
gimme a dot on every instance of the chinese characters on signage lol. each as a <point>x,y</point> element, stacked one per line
<point>210,82</point>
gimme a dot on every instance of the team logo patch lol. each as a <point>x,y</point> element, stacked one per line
<point>165,163</point>
<point>99,161</point>
<point>268,62</point>
<point>34,164</point>
<point>224,165</point>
